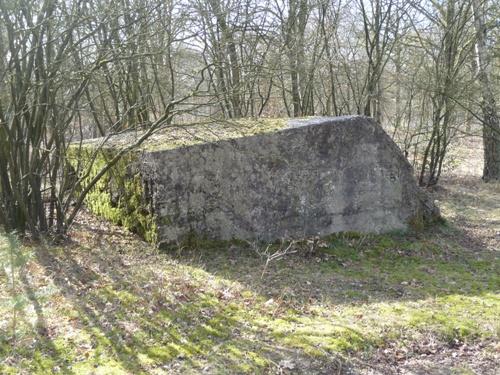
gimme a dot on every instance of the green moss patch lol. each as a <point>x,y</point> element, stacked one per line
<point>183,135</point>
<point>119,195</point>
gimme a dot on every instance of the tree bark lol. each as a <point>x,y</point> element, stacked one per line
<point>491,126</point>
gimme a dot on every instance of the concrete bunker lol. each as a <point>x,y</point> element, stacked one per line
<point>261,179</point>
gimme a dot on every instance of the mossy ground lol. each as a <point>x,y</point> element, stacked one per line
<point>108,303</point>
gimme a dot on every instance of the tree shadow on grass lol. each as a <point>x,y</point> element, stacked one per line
<point>474,207</point>
<point>148,312</point>
<point>352,269</point>
<point>174,324</point>
<point>22,292</point>
<point>440,283</point>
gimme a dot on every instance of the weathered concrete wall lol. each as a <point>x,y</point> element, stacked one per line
<point>315,177</point>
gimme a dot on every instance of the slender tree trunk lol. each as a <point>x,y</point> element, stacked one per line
<point>491,126</point>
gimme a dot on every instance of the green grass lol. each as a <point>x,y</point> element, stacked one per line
<point>164,314</point>
<point>110,304</point>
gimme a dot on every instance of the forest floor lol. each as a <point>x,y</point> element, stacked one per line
<point>105,302</point>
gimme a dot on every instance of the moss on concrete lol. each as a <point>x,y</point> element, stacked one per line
<point>119,195</point>
<point>175,136</point>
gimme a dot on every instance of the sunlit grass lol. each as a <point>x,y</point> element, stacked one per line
<point>113,305</point>
<point>166,315</point>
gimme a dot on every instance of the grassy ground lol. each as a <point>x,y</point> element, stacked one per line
<point>106,303</point>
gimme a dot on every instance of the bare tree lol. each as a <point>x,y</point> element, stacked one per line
<point>491,124</point>
<point>448,45</point>
<point>54,52</point>
<point>380,25</point>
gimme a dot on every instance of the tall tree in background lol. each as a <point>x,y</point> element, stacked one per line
<point>380,26</point>
<point>235,36</point>
<point>329,15</point>
<point>491,125</point>
<point>448,47</point>
<point>303,49</point>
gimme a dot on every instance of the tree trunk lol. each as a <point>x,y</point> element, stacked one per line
<point>491,126</point>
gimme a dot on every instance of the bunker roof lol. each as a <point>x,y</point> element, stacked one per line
<point>181,135</point>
